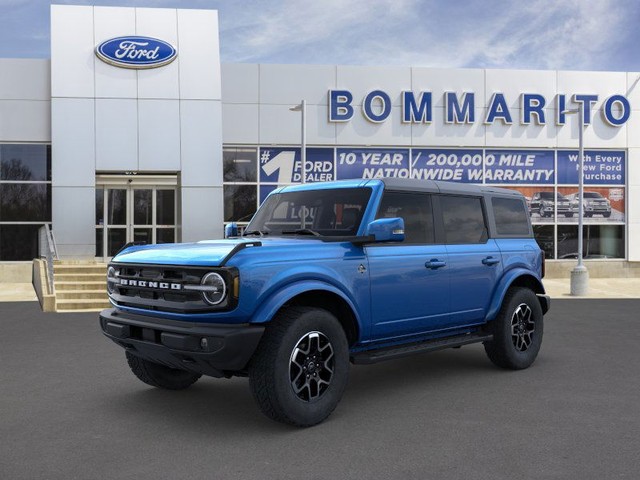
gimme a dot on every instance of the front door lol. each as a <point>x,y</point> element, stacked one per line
<point>133,212</point>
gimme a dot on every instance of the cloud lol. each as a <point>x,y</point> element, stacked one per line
<point>536,34</point>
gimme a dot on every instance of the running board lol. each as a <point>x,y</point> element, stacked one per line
<point>399,351</point>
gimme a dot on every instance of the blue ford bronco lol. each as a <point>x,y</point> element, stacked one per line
<point>326,274</point>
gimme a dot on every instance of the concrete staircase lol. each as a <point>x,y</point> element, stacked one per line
<point>80,286</point>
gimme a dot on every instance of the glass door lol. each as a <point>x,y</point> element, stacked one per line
<point>133,213</point>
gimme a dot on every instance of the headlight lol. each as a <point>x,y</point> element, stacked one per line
<point>111,280</point>
<point>213,288</point>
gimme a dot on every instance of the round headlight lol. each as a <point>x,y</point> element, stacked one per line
<point>214,289</point>
<point>111,278</point>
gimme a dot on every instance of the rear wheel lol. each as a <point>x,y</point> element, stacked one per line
<point>517,330</point>
<point>160,376</point>
<point>300,369</point>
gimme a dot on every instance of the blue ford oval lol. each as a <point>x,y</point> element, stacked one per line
<point>136,52</point>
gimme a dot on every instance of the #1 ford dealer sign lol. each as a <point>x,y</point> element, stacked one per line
<point>136,52</point>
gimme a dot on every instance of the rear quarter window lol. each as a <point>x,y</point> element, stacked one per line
<point>511,216</point>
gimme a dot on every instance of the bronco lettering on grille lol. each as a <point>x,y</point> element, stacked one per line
<point>146,284</point>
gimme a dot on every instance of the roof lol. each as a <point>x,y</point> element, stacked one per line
<point>427,186</point>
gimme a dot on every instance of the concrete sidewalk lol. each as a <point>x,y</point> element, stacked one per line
<point>598,288</point>
<point>556,287</point>
<point>17,292</point>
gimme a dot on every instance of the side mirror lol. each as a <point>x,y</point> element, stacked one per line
<point>231,230</point>
<point>386,230</point>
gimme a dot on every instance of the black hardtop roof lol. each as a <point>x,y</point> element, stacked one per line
<point>433,186</point>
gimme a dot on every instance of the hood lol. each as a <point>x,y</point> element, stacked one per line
<point>210,253</point>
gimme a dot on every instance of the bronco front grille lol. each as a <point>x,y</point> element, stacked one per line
<point>166,287</point>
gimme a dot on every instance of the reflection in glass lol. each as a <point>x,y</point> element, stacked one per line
<point>18,242</point>
<point>599,241</point>
<point>116,239</point>
<point>25,202</point>
<point>165,207</point>
<point>143,235</point>
<point>25,162</point>
<point>100,207</point>
<point>117,206</point>
<point>165,235</point>
<point>545,238</point>
<point>239,164</point>
<point>99,242</point>
<point>142,207</point>
<point>239,202</point>
<point>463,219</point>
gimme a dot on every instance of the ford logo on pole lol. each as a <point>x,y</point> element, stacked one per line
<point>136,52</point>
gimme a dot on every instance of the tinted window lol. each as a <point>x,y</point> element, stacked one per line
<point>511,216</point>
<point>463,219</point>
<point>25,162</point>
<point>239,202</point>
<point>415,210</point>
<point>239,164</point>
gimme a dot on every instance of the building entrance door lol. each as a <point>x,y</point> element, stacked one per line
<point>139,209</point>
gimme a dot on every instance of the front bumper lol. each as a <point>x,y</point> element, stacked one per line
<point>209,349</point>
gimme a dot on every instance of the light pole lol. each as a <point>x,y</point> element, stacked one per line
<point>302,107</point>
<point>580,274</point>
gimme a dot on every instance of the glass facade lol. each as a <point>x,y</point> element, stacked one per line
<point>547,178</point>
<point>25,198</point>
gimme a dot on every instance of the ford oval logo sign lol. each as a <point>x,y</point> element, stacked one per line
<point>136,52</point>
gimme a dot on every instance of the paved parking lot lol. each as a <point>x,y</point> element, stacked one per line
<point>70,408</point>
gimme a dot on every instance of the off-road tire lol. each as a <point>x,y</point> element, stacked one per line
<point>160,376</point>
<point>505,350</point>
<point>270,369</point>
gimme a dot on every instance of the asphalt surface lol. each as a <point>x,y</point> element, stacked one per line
<point>71,409</point>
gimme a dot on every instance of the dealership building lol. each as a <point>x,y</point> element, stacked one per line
<point>171,145</point>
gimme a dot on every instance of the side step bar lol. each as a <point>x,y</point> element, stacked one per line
<point>398,351</point>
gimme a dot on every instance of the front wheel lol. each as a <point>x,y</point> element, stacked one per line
<point>300,368</point>
<point>517,330</point>
<point>160,376</point>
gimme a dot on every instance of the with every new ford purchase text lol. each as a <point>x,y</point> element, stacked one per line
<point>326,274</point>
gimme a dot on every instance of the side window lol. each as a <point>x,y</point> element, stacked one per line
<point>511,216</point>
<point>463,219</point>
<point>415,210</point>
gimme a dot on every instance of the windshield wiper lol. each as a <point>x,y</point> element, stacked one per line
<point>255,232</point>
<point>301,231</point>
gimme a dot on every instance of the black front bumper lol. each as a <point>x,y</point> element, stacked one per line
<point>216,350</point>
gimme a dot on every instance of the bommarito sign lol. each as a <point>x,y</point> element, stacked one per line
<point>459,108</point>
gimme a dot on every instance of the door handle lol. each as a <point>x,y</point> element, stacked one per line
<point>489,261</point>
<point>434,264</point>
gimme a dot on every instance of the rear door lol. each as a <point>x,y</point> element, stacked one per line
<point>475,262</point>
<point>410,279</point>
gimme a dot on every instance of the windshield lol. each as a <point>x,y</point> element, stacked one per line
<point>549,196</point>
<point>592,195</point>
<point>331,212</point>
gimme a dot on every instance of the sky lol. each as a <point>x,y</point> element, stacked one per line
<point>531,34</point>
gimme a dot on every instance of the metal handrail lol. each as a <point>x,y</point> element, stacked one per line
<point>48,250</point>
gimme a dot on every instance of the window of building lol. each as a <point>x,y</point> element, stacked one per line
<point>463,219</point>
<point>415,210</point>
<point>599,241</point>
<point>25,199</point>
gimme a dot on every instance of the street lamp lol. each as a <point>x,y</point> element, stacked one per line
<point>580,274</point>
<point>302,107</point>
